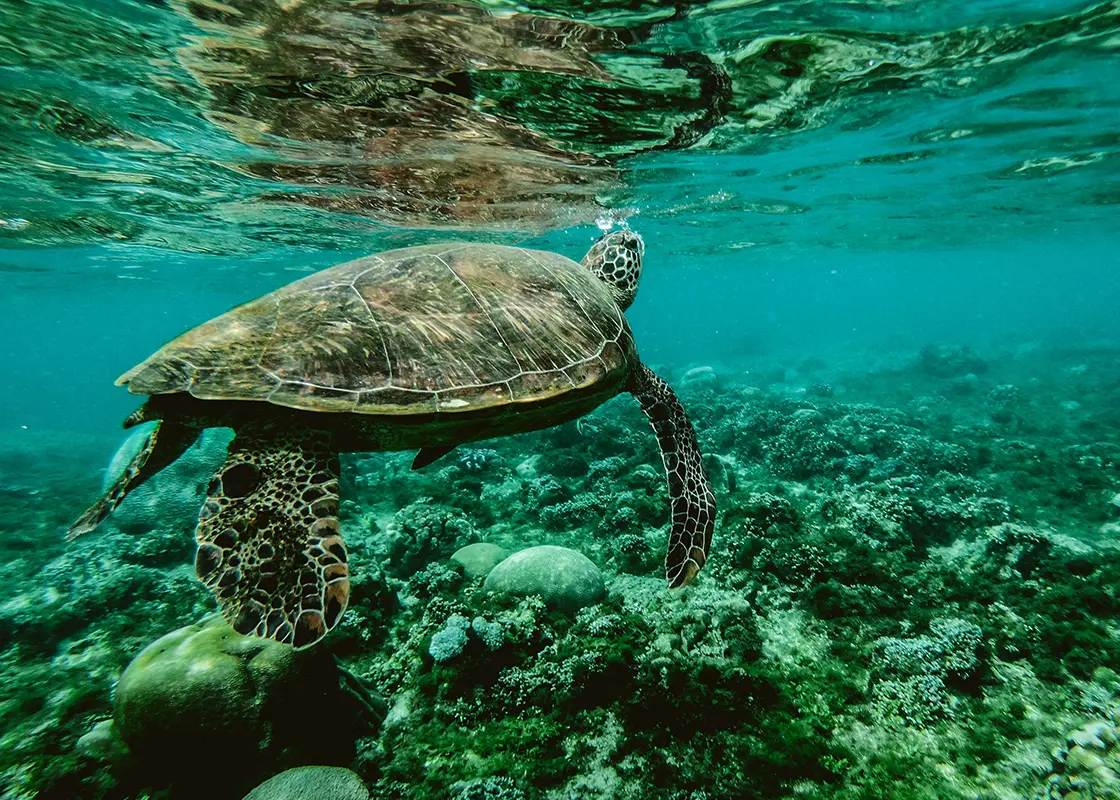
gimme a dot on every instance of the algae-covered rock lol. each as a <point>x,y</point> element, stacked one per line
<point>311,783</point>
<point>1090,767</point>
<point>703,377</point>
<point>478,559</point>
<point>101,743</point>
<point>563,578</point>
<point>205,690</point>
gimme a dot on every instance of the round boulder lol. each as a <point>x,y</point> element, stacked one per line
<point>702,378</point>
<point>205,689</point>
<point>311,783</point>
<point>101,743</point>
<point>478,559</point>
<point>563,578</point>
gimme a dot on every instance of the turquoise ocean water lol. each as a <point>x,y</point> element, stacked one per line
<point>880,271</point>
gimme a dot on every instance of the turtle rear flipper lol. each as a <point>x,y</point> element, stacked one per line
<point>167,441</point>
<point>269,543</point>
<point>691,499</point>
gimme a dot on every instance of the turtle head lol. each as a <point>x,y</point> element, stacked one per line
<point>616,260</point>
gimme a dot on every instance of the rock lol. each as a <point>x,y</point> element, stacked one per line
<point>1095,735</point>
<point>965,384</point>
<point>563,578</point>
<point>101,743</point>
<point>702,377</point>
<point>311,783</point>
<point>721,469</point>
<point>205,689</point>
<point>478,559</point>
<point>1081,760</point>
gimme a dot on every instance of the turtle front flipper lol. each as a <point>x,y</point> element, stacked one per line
<point>269,542</point>
<point>167,441</point>
<point>692,501</point>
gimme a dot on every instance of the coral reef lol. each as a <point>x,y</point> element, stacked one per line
<point>913,593</point>
<point>422,532</point>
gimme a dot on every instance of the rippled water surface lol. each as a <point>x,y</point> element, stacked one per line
<point>244,127</point>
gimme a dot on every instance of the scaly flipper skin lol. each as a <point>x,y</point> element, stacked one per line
<point>269,543</point>
<point>168,441</point>
<point>690,492</point>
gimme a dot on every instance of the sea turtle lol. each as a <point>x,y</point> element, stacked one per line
<point>425,347</point>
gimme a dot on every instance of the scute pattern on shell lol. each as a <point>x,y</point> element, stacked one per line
<point>448,328</point>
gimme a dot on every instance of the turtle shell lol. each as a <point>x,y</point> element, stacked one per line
<point>440,328</point>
